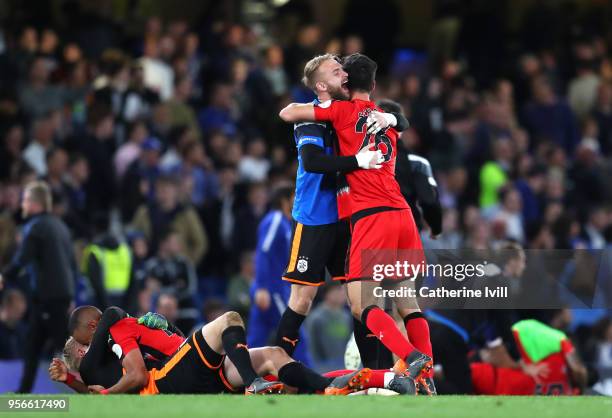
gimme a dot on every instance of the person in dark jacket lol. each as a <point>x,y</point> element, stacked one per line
<point>46,254</point>
<point>416,181</point>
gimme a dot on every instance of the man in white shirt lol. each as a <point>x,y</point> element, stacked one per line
<point>35,153</point>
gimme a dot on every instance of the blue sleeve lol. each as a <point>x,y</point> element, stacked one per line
<point>264,256</point>
<point>309,133</point>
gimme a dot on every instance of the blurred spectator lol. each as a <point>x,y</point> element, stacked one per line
<point>166,212</point>
<point>108,264</point>
<point>593,231</point>
<point>531,189</point>
<point>174,273</point>
<point>78,217</point>
<point>273,70</point>
<point>177,137</point>
<point>510,215</point>
<point>137,132</point>
<point>138,183</point>
<point>494,175</point>
<point>200,184</point>
<point>602,113</point>
<point>157,75</point>
<point>238,298</point>
<point>247,218</point>
<point>97,145</point>
<point>180,112</point>
<point>21,57</point>
<point>140,250</point>
<point>582,90</point>
<point>220,113</point>
<point>451,237</point>
<point>304,48</point>
<point>587,176</point>
<point>547,118</point>
<point>194,58</point>
<point>167,305</point>
<point>56,161</point>
<point>139,99</point>
<point>603,356</point>
<point>112,84</point>
<point>10,151</point>
<point>329,329</point>
<point>12,329</point>
<point>212,309</point>
<point>42,140</point>
<point>37,96</point>
<point>254,165</point>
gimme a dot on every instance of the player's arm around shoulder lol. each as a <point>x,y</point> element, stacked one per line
<point>295,112</point>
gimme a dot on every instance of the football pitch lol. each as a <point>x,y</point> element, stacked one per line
<point>222,406</point>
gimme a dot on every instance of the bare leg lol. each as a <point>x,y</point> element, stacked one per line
<point>266,360</point>
<point>275,361</point>
<point>213,331</point>
<point>301,298</point>
<point>288,331</point>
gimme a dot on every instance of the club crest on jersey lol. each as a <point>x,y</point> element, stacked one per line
<point>302,265</point>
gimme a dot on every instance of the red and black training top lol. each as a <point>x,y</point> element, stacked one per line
<point>155,344</point>
<point>116,335</point>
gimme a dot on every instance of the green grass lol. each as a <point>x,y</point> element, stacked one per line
<point>229,406</point>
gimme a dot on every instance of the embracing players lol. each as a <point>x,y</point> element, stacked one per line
<point>380,217</point>
<point>214,359</point>
<point>320,237</point>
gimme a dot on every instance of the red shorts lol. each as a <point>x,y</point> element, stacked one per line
<point>376,239</point>
<point>490,380</point>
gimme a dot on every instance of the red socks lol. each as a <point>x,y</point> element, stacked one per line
<point>418,332</point>
<point>383,327</point>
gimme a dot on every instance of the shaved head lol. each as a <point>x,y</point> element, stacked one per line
<point>83,322</point>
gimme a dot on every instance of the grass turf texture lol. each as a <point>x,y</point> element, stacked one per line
<point>229,406</point>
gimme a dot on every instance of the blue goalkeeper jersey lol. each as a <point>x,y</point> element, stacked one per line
<point>315,194</point>
<point>272,255</point>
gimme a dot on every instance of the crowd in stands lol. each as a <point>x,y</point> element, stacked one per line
<point>161,150</point>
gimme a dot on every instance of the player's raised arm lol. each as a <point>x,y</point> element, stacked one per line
<point>296,112</point>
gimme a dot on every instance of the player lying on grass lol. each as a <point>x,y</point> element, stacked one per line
<point>381,221</point>
<point>335,383</point>
<point>214,359</point>
<point>543,348</point>
<point>66,371</point>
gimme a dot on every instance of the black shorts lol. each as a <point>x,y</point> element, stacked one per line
<point>315,248</point>
<point>194,368</point>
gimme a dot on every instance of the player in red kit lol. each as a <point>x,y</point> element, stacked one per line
<point>380,217</point>
<point>543,349</point>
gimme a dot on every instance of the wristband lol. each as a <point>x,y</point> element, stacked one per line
<point>70,378</point>
<point>104,392</point>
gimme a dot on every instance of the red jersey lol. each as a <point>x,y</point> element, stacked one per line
<point>490,380</point>
<point>343,196</point>
<point>557,382</point>
<point>127,335</point>
<point>368,188</point>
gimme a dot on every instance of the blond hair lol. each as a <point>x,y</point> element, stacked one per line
<point>311,67</point>
<point>40,193</point>
<point>71,354</point>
